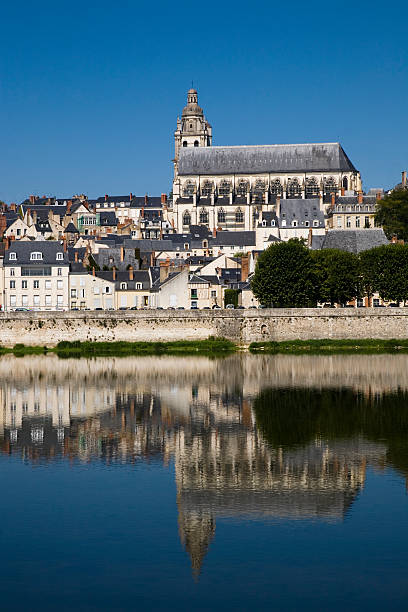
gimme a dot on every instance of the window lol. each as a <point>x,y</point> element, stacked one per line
<point>242,188</point>
<point>123,285</point>
<point>239,216</point>
<point>48,300</point>
<point>376,302</point>
<point>13,255</point>
<point>338,221</point>
<point>36,271</point>
<point>276,187</point>
<point>263,223</point>
<point>12,272</point>
<point>185,143</point>
<point>294,223</point>
<point>196,143</point>
<point>213,293</point>
<point>59,271</point>
<point>345,183</point>
<point>18,232</point>
<point>206,189</point>
<point>194,294</point>
<point>145,300</point>
<point>360,302</point>
<point>36,255</point>
<point>330,185</point>
<point>366,222</point>
<point>73,293</point>
<point>12,300</point>
<point>60,255</point>
<point>283,223</point>
<point>107,289</point>
<point>12,284</point>
<point>315,223</point>
<point>139,286</point>
<point>48,284</point>
<point>186,218</point>
<point>24,284</point>
<point>306,223</point>
<point>203,216</point>
<point>348,221</point>
<point>81,281</point>
<point>224,188</point>
<point>189,189</point>
<point>59,300</point>
<point>59,284</point>
<point>357,221</point>
<point>273,223</point>
<point>96,289</point>
<point>293,190</point>
<point>36,284</point>
<point>36,300</point>
<point>312,188</point>
<point>24,300</point>
<point>221,215</point>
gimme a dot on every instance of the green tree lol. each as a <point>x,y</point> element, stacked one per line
<point>231,297</point>
<point>283,276</point>
<point>384,270</point>
<point>336,275</point>
<point>392,214</point>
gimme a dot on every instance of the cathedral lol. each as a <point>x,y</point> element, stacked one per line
<point>230,187</point>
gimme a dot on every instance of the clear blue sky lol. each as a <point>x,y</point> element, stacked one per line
<point>90,91</point>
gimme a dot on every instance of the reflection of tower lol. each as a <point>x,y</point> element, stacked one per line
<point>196,529</point>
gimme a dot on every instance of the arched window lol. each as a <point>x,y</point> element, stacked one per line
<point>345,183</point>
<point>293,190</point>
<point>205,244</point>
<point>36,255</point>
<point>203,216</point>
<point>224,188</point>
<point>276,187</point>
<point>188,189</point>
<point>330,185</point>
<point>259,186</point>
<point>242,188</point>
<point>221,215</point>
<point>185,143</point>
<point>196,143</point>
<point>239,216</point>
<point>312,188</point>
<point>206,189</point>
<point>186,218</point>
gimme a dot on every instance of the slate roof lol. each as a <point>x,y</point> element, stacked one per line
<point>225,238</point>
<point>317,157</point>
<point>139,276</point>
<point>71,229</point>
<point>108,217</point>
<point>301,210</point>
<point>354,241</point>
<point>49,249</point>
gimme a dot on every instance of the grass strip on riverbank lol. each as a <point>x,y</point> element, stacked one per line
<point>328,346</point>
<point>211,346</point>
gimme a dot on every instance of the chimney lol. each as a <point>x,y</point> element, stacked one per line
<point>333,199</point>
<point>378,195</point>
<point>69,204</point>
<point>130,272</point>
<point>130,197</point>
<point>310,238</point>
<point>278,206</point>
<point>106,197</point>
<point>343,191</point>
<point>214,232</point>
<point>146,198</point>
<point>114,273</point>
<point>32,199</point>
<point>394,239</point>
<point>122,253</point>
<point>163,198</point>
<point>76,256</point>
<point>164,270</point>
<point>244,268</point>
<point>93,270</point>
<point>13,206</point>
<point>142,212</point>
<point>404,178</point>
<point>7,243</point>
<point>360,197</point>
<point>34,216</point>
<point>64,243</point>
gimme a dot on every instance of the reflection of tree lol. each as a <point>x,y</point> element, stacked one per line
<point>295,417</point>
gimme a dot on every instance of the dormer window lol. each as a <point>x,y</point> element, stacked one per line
<point>273,223</point>
<point>315,223</point>
<point>36,256</point>
<point>294,223</point>
<point>123,285</point>
<point>264,223</point>
<point>205,244</point>
<point>13,255</point>
<point>138,285</point>
<point>60,256</point>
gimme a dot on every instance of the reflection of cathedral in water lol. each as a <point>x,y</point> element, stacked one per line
<point>223,465</point>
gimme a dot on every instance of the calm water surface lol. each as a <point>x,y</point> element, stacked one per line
<point>246,483</point>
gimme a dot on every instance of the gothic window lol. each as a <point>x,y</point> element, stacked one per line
<point>345,183</point>
<point>196,143</point>
<point>312,188</point>
<point>239,216</point>
<point>276,187</point>
<point>203,216</point>
<point>188,190</point>
<point>206,189</point>
<point>293,189</point>
<point>221,216</point>
<point>330,185</point>
<point>259,186</point>
<point>242,188</point>
<point>186,218</point>
<point>224,188</point>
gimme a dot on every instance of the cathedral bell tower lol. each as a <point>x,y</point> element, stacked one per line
<point>193,130</point>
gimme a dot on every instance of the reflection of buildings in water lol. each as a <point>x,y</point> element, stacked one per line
<point>197,412</point>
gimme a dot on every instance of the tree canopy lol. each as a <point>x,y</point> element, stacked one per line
<point>336,275</point>
<point>392,214</point>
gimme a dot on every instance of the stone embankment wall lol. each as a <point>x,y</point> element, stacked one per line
<point>49,328</point>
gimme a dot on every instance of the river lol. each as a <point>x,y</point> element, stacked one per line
<point>251,482</point>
